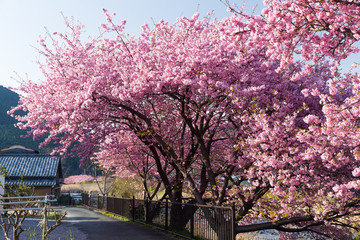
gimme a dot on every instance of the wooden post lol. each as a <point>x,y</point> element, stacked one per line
<point>45,227</point>
<point>233,221</point>
<point>167,214</point>
<point>147,210</point>
<point>133,208</point>
<point>192,222</point>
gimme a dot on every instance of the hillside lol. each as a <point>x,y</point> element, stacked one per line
<point>8,99</point>
<point>10,135</point>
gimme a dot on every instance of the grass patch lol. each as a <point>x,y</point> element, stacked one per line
<point>112,215</point>
<point>92,182</point>
<point>50,216</point>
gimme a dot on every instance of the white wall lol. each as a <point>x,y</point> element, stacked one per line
<point>2,185</point>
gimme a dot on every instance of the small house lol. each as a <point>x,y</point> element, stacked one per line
<point>41,171</point>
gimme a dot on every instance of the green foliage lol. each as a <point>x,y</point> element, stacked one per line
<point>126,187</point>
<point>70,236</point>
<point>19,190</point>
<point>92,182</point>
<point>15,190</point>
<point>32,234</point>
<point>113,215</point>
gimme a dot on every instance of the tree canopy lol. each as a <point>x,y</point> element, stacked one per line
<point>249,110</point>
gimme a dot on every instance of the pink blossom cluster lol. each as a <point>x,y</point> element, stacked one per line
<point>78,179</point>
<point>99,178</point>
<point>313,29</point>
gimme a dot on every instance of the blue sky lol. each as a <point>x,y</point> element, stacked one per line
<point>22,21</point>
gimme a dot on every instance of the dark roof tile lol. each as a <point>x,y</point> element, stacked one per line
<point>33,181</point>
<point>30,165</point>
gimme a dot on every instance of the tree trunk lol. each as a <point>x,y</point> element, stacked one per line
<point>220,220</point>
<point>15,234</point>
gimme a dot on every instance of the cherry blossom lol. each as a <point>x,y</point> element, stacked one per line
<point>78,179</point>
<point>220,107</point>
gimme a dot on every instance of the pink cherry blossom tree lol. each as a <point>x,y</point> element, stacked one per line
<point>313,28</point>
<point>130,160</point>
<point>213,105</point>
<point>78,179</point>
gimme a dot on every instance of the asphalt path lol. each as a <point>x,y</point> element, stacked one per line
<point>97,226</point>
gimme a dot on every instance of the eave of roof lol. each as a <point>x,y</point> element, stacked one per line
<point>30,165</point>
<point>32,181</point>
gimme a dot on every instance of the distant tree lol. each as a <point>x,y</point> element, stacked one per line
<point>78,179</point>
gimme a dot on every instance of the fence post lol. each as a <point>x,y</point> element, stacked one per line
<point>233,221</point>
<point>147,210</point>
<point>192,222</point>
<point>133,208</point>
<point>45,223</point>
<point>166,214</point>
<point>103,201</point>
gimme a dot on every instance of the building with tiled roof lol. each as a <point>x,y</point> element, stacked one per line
<point>41,171</point>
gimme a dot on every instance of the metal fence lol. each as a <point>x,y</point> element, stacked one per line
<point>27,203</point>
<point>70,199</point>
<point>190,221</point>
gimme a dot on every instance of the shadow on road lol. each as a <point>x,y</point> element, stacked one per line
<point>97,226</point>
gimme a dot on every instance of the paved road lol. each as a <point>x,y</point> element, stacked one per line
<point>97,226</point>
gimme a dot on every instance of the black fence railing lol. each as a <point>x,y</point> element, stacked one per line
<point>190,221</point>
<point>69,199</point>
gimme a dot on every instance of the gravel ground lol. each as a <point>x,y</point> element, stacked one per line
<point>66,231</point>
